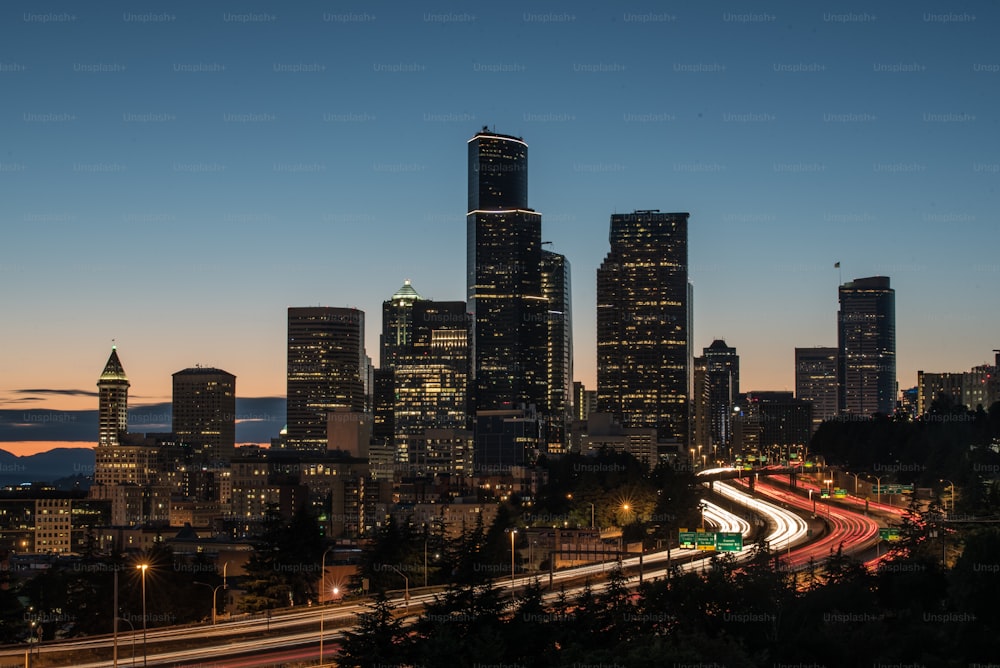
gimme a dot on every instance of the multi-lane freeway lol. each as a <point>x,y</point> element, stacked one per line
<point>283,633</point>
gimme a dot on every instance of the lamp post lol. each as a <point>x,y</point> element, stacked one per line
<point>143,568</point>
<point>131,628</point>
<point>513,535</point>
<point>215,591</point>
<point>406,591</point>
<point>878,489</point>
<point>855,481</point>
<point>322,610</point>
<point>952,486</point>
<point>621,539</point>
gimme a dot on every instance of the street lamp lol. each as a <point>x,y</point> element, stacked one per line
<point>855,481</point>
<point>878,489</point>
<point>215,591</point>
<point>406,592</point>
<point>322,610</point>
<point>952,486</point>
<point>143,568</point>
<point>513,535</point>
<point>132,629</point>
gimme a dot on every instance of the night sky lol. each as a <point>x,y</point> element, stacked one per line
<point>173,176</point>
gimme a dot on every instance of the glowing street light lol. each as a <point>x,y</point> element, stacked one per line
<point>322,611</point>
<point>952,486</point>
<point>513,535</point>
<point>143,568</point>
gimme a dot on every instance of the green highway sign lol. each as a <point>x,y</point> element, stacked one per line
<point>824,494</point>
<point>892,533</point>
<point>840,493</point>
<point>686,539</point>
<point>705,540</point>
<point>729,542</point>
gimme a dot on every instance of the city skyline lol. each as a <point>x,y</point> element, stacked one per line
<point>220,183</point>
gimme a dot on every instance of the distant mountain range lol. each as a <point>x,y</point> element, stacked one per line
<point>57,464</point>
<point>258,420</point>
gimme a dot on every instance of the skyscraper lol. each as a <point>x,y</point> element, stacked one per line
<point>112,391</point>
<point>816,381</point>
<point>397,325</point>
<point>642,323</point>
<point>556,288</point>
<point>504,278</point>
<point>204,412</point>
<point>866,322</point>
<point>722,377</point>
<point>432,375</point>
<point>327,369</point>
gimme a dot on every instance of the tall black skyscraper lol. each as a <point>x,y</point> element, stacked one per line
<point>504,278</point>
<point>327,368</point>
<point>642,323</point>
<point>866,338</point>
<point>722,369</point>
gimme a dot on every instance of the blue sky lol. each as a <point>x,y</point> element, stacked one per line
<point>175,175</point>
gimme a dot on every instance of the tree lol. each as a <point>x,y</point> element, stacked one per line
<point>378,639</point>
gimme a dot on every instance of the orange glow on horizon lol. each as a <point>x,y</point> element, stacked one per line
<point>28,448</point>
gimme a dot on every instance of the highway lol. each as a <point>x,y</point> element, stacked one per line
<point>283,631</point>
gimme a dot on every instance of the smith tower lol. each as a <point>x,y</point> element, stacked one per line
<point>504,278</point>
<point>642,323</point>
<point>112,390</point>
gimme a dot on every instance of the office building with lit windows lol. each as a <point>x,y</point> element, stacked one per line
<point>816,381</point>
<point>327,369</point>
<point>112,392</point>
<point>722,377</point>
<point>504,278</point>
<point>642,324</point>
<point>866,321</point>
<point>556,288</point>
<point>204,412</point>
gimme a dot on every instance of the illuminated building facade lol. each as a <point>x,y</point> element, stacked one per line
<point>722,377</point>
<point>327,369</point>
<point>504,278</point>
<point>556,288</point>
<point>204,412</point>
<point>816,381</point>
<point>642,324</point>
<point>772,427</point>
<point>866,322</point>
<point>112,391</point>
<point>430,375</point>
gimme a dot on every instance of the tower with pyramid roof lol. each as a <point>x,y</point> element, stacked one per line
<point>112,388</point>
<point>397,325</point>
